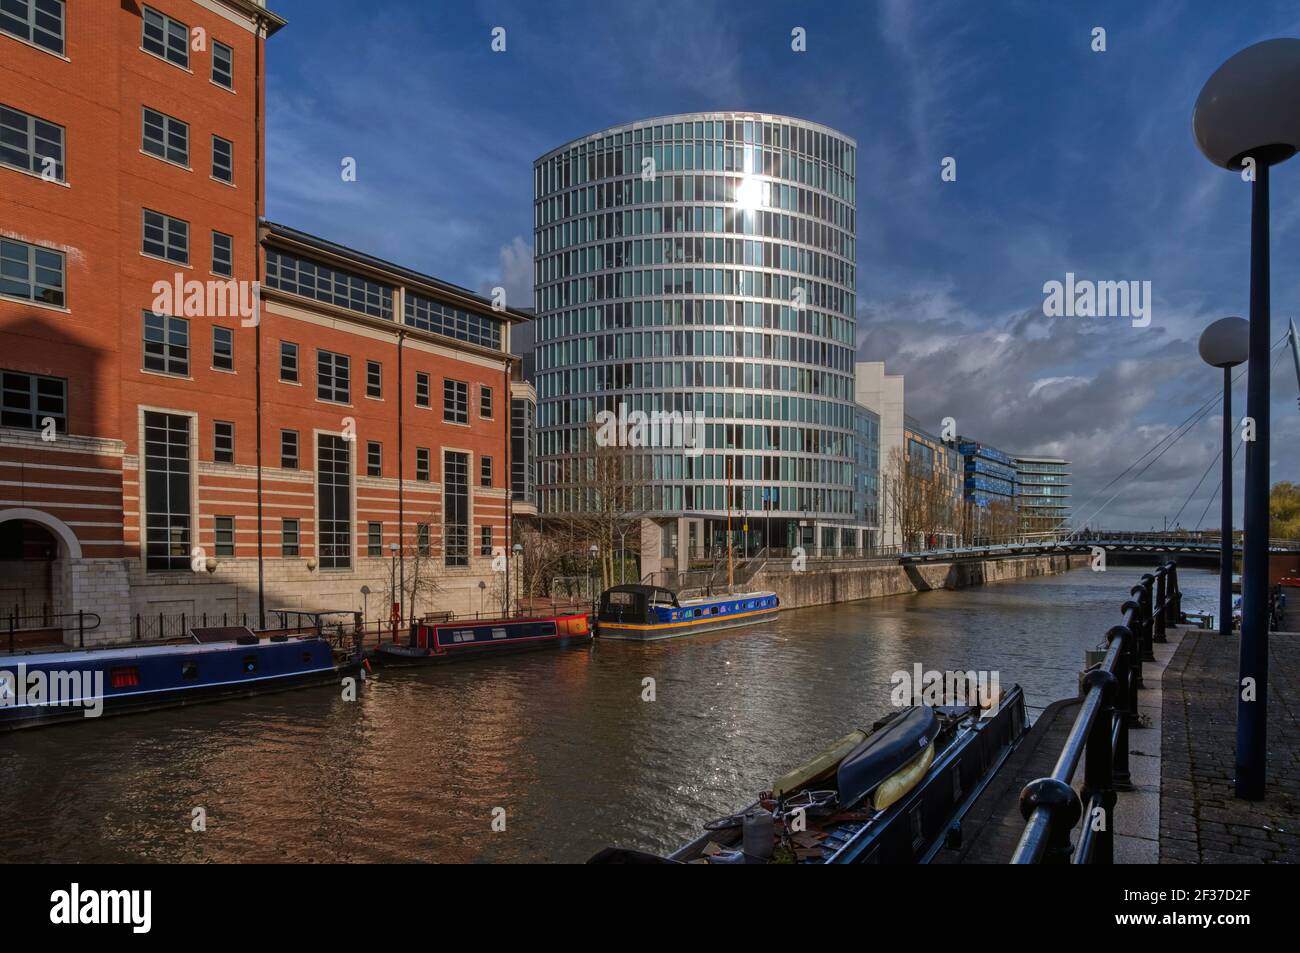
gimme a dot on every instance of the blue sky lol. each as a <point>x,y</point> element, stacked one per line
<point>1068,160</point>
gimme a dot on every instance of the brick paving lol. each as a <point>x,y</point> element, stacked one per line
<point>1200,819</point>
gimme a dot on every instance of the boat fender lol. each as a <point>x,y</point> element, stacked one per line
<point>365,667</point>
<point>903,780</point>
<point>759,836</point>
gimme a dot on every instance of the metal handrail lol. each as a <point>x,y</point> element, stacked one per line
<point>1099,737</point>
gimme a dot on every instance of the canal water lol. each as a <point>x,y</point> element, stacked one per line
<point>561,741</point>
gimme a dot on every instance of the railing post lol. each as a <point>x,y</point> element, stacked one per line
<point>1099,768</point>
<point>81,628</point>
<point>1158,611</point>
<point>1176,593</point>
<point>1135,659</point>
<point>1063,810</point>
<point>137,627</point>
<point>1127,668</point>
<point>13,624</point>
<point>1143,592</point>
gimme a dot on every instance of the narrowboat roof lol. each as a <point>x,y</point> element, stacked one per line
<point>127,652</point>
<point>642,590</point>
<point>728,597</point>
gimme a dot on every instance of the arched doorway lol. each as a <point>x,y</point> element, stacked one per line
<point>34,552</point>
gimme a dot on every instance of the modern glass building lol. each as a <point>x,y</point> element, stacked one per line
<point>1043,495</point>
<point>703,265</point>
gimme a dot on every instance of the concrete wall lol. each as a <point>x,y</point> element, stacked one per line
<point>817,587</point>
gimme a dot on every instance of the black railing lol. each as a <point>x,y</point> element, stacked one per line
<point>79,622</point>
<point>1099,737</point>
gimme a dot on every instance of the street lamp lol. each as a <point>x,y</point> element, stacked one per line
<point>595,551</point>
<point>1246,119</point>
<point>1225,344</point>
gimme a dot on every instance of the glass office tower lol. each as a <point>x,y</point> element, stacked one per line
<point>702,265</point>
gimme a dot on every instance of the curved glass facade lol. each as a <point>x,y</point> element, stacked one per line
<point>703,265</point>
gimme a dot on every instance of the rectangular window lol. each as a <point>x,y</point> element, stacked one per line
<point>422,538</point>
<point>374,539</point>
<point>165,37</point>
<point>166,344</point>
<point>167,491</point>
<point>302,276</point>
<point>39,22</point>
<point>429,315</point>
<point>223,348</point>
<point>223,159</point>
<point>27,400</point>
<point>455,469</point>
<point>334,492</point>
<point>485,401</point>
<point>485,471</point>
<point>289,449</point>
<point>225,536</point>
<point>374,458</point>
<point>166,137</point>
<point>166,237</point>
<point>31,272</point>
<point>223,254</point>
<point>288,362</point>
<point>422,389</point>
<point>290,537</point>
<point>455,401</point>
<point>223,65</point>
<point>485,541</point>
<point>333,377</point>
<point>374,379</point>
<point>31,144</point>
<point>223,441</point>
<point>422,464</point>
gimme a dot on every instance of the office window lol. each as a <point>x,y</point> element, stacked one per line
<point>223,348</point>
<point>485,471</point>
<point>167,491</point>
<point>455,401</point>
<point>31,272</point>
<point>27,399</point>
<point>223,65</point>
<point>334,500</point>
<point>225,536</point>
<point>485,541</point>
<point>289,449</point>
<point>166,137</point>
<point>333,380</point>
<point>223,254</point>
<point>422,464</point>
<point>438,318</point>
<point>223,159</point>
<point>290,537</point>
<point>374,539</point>
<point>455,470</point>
<point>223,441</point>
<point>288,362</point>
<point>30,144</point>
<point>166,344</point>
<point>165,37</point>
<point>422,389</point>
<point>485,401</point>
<point>39,22</point>
<point>374,379</point>
<point>302,276</point>
<point>166,237</point>
<point>422,538</point>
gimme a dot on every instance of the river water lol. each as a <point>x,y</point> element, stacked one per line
<point>561,741</point>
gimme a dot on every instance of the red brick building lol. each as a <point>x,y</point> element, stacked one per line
<point>172,439</point>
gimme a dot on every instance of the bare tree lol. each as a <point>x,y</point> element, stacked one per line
<point>611,497</point>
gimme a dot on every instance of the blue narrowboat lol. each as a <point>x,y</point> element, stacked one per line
<point>646,613</point>
<point>431,643</point>
<point>49,687</point>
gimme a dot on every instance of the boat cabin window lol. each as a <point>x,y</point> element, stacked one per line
<point>189,671</point>
<point>249,664</point>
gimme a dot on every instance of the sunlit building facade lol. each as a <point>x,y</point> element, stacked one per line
<point>1042,494</point>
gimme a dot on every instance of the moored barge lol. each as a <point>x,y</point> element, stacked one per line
<point>432,643</point>
<point>647,613</point>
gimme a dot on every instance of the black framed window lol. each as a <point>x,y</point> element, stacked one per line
<point>225,536</point>
<point>422,396</point>
<point>26,400</point>
<point>32,273</point>
<point>374,539</point>
<point>422,539</point>
<point>39,22</point>
<point>223,65</point>
<point>223,348</point>
<point>223,441</point>
<point>374,458</point>
<point>422,464</point>
<point>165,37</point>
<point>455,471</point>
<point>290,537</point>
<point>334,501</point>
<point>485,541</point>
<point>223,254</point>
<point>167,491</point>
<point>166,237</point>
<point>289,449</point>
<point>455,401</point>
<point>166,137</point>
<point>29,143</point>
<point>333,377</point>
<point>288,362</point>
<point>374,379</point>
<point>485,471</point>
<point>223,159</point>
<point>302,276</point>
<point>166,344</point>
<point>429,315</point>
<point>485,401</point>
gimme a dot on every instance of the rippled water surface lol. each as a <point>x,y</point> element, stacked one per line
<point>561,740</point>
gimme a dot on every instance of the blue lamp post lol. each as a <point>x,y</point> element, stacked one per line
<point>1247,119</point>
